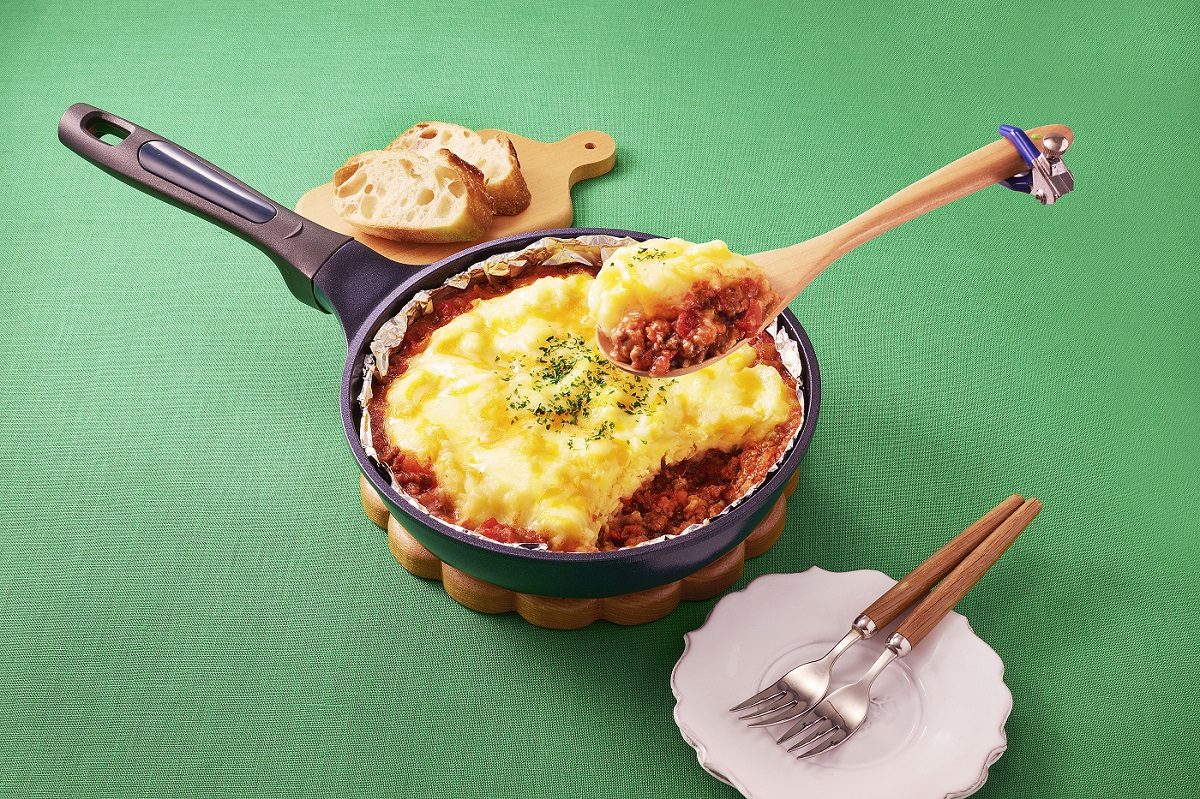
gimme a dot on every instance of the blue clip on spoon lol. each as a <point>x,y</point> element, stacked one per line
<point>1048,177</point>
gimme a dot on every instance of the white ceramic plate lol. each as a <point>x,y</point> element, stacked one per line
<point>937,716</point>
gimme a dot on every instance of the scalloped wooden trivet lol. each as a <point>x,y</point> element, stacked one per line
<point>570,613</point>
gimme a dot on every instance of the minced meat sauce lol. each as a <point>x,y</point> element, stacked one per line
<point>709,321</point>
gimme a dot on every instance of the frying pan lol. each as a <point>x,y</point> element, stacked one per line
<point>334,273</point>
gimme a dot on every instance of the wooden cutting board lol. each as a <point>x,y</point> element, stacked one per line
<point>550,169</point>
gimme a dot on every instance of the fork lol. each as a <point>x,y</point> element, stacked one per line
<point>838,716</point>
<point>801,688</point>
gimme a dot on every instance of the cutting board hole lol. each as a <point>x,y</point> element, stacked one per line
<point>107,132</point>
<point>590,146</point>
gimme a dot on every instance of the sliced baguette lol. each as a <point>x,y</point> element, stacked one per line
<point>407,196</point>
<point>495,158</point>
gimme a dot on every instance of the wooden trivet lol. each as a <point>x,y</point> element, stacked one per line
<point>571,613</point>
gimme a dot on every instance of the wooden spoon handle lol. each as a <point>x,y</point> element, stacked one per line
<point>988,165</point>
<point>919,581</point>
<point>949,592</point>
<point>792,268</point>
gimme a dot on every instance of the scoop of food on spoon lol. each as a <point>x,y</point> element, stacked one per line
<point>665,307</point>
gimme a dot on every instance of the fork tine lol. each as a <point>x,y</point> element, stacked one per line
<point>801,725</point>
<point>785,700</point>
<point>783,715</point>
<point>825,747</point>
<point>818,734</point>
<point>770,692</point>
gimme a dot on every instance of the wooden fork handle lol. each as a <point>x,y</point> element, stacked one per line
<point>919,581</point>
<point>950,591</point>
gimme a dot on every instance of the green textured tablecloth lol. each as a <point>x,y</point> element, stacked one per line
<point>192,602</point>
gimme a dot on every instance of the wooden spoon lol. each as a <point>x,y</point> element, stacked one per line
<point>792,268</point>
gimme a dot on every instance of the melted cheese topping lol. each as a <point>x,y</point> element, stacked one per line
<point>522,420</point>
<point>653,276</point>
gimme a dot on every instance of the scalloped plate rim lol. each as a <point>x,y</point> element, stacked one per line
<point>732,599</point>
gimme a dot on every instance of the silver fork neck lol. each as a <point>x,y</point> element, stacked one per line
<point>885,658</point>
<point>848,640</point>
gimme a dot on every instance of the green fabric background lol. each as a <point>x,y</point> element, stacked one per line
<point>192,602</point>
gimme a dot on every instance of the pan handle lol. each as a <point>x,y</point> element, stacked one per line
<point>151,163</point>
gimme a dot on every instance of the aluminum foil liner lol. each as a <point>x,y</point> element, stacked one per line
<point>587,250</point>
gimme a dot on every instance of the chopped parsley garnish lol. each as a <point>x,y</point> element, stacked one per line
<point>648,254</point>
<point>561,385</point>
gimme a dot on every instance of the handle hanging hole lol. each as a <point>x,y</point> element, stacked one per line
<point>106,131</point>
<point>590,146</point>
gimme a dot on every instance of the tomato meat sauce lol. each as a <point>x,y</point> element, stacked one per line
<point>708,321</point>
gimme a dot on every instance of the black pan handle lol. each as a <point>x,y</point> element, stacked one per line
<point>151,163</point>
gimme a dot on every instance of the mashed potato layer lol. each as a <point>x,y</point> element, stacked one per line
<point>652,276</point>
<point>523,421</point>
